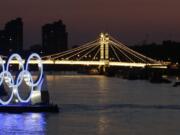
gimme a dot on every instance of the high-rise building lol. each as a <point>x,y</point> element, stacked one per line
<point>54,37</point>
<point>14,31</point>
<point>11,38</point>
<point>3,41</point>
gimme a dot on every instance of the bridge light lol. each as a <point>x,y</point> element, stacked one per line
<point>102,35</point>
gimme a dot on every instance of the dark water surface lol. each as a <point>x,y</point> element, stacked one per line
<point>98,105</point>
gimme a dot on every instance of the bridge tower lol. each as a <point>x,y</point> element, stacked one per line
<point>104,47</point>
<point>104,50</point>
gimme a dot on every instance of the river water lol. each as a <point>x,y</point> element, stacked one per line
<point>99,105</point>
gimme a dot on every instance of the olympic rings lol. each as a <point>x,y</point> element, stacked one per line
<point>40,65</point>
<point>10,82</point>
<point>1,74</point>
<point>14,82</point>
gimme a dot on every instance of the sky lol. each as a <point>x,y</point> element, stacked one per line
<point>130,21</point>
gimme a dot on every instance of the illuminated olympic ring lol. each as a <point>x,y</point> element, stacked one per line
<point>23,74</point>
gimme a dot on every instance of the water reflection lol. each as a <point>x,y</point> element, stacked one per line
<point>103,89</point>
<point>103,124</point>
<point>27,123</point>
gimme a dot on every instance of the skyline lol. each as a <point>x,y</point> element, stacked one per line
<point>129,21</point>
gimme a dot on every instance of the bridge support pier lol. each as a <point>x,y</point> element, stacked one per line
<point>103,68</point>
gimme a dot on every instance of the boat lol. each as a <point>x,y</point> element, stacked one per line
<point>176,84</point>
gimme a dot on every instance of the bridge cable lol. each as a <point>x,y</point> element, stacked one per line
<point>73,51</point>
<point>135,55</point>
<point>88,52</point>
<point>81,51</point>
<point>115,53</point>
<point>117,47</point>
<point>89,43</point>
<point>150,59</point>
<point>98,51</point>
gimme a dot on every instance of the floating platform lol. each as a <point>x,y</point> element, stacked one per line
<point>51,108</point>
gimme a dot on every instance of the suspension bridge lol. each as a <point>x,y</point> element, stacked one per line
<point>105,51</point>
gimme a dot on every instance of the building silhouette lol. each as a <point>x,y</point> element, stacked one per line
<point>3,41</point>
<point>11,37</point>
<point>54,37</point>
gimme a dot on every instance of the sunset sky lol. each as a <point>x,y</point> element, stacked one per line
<point>130,21</point>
